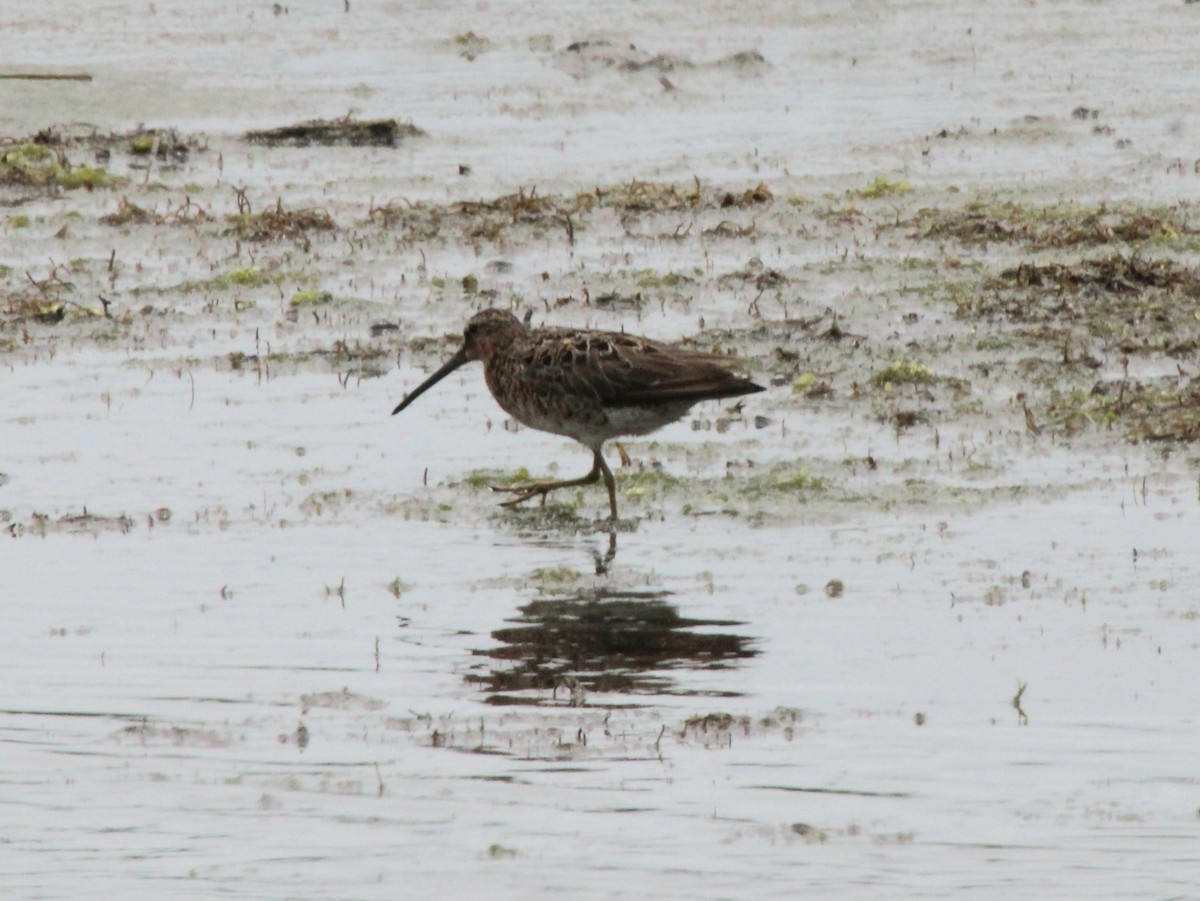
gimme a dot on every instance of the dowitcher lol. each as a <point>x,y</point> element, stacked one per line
<point>586,385</point>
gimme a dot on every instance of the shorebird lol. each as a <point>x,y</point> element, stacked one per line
<point>587,385</point>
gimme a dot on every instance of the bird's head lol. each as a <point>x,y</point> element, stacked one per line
<point>486,332</point>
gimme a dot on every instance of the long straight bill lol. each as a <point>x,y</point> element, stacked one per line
<point>452,364</point>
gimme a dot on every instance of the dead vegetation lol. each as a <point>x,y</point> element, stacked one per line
<point>129,213</point>
<point>754,273</point>
<point>83,523</point>
<point>495,219</point>
<point>349,359</point>
<point>1132,304</point>
<point>330,133</point>
<point>45,301</point>
<point>470,45</point>
<point>1052,227</point>
<point>1135,297</point>
<point>277,223</point>
<point>1158,410</point>
<point>1090,281</point>
<point>586,59</point>
<point>646,197</point>
<point>1115,274</point>
<point>20,308</point>
<point>477,219</point>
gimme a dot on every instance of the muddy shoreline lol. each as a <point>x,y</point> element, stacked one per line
<point>1064,324</point>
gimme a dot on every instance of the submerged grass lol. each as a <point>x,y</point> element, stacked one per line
<point>502,218</point>
<point>31,164</point>
<point>903,372</point>
<point>129,213</point>
<point>310,298</point>
<point>1058,226</point>
<point>1158,410</point>
<point>910,373</point>
<point>240,277</point>
<point>244,277</point>
<point>486,478</point>
<point>743,492</point>
<point>1132,303</point>
<point>277,224</point>
<point>883,187</point>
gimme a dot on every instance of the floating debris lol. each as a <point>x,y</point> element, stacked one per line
<point>368,133</point>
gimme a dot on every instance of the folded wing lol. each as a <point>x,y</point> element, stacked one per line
<point>623,370</point>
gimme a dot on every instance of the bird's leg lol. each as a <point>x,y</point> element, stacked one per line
<point>610,483</point>
<point>624,454</point>
<point>541,489</point>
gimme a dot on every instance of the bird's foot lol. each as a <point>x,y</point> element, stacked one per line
<point>541,489</point>
<point>526,492</point>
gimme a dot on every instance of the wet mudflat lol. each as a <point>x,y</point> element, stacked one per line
<point>921,619</point>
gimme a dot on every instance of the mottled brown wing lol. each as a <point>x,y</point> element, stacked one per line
<point>624,370</point>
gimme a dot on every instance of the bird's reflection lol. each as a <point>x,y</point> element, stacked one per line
<point>567,650</point>
<point>604,562</point>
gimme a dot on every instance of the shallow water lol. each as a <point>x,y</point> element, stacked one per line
<point>152,732</point>
<point>263,640</point>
